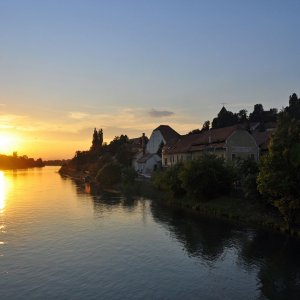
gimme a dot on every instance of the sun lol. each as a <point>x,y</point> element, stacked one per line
<point>8,143</point>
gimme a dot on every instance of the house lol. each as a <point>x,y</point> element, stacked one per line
<point>138,149</point>
<point>151,160</point>
<point>231,143</point>
<point>262,139</point>
<point>148,163</point>
<point>160,136</point>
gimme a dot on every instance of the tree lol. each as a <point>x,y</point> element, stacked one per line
<point>97,141</point>
<point>242,116</point>
<point>279,175</point>
<point>225,118</point>
<point>247,172</point>
<point>206,177</point>
<point>205,126</point>
<point>195,131</point>
<point>100,137</point>
<point>169,180</point>
<point>257,114</point>
<point>294,107</point>
<point>109,175</point>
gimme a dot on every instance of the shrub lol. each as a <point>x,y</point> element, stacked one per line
<point>206,177</point>
<point>109,175</point>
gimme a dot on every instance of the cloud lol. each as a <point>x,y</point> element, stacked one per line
<point>160,113</point>
<point>77,115</point>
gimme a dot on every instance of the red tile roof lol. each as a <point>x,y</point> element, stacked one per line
<point>167,132</point>
<point>197,142</point>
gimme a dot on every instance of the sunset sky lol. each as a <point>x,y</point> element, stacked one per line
<point>68,66</point>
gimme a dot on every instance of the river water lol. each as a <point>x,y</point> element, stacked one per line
<point>59,242</point>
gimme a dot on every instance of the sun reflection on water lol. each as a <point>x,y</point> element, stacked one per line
<point>4,186</point>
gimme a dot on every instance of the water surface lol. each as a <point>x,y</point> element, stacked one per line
<point>58,241</point>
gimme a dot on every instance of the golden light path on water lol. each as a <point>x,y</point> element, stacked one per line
<point>4,188</point>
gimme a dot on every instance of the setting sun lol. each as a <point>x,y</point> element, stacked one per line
<point>8,143</point>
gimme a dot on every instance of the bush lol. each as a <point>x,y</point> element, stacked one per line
<point>128,176</point>
<point>109,175</point>
<point>247,172</point>
<point>206,177</point>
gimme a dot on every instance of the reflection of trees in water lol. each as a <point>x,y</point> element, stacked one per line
<point>278,260</point>
<point>275,256</point>
<point>201,237</point>
<point>105,201</point>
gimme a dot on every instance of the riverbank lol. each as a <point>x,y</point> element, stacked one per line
<point>232,208</point>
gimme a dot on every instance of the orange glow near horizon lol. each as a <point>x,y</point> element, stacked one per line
<point>9,143</point>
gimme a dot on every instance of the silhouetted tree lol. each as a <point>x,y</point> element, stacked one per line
<point>257,114</point>
<point>97,141</point>
<point>294,107</point>
<point>225,118</point>
<point>195,131</point>
<point>205,126</point>
<point>242,116</point>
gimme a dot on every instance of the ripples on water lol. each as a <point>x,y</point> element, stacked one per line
<point>58,241</point>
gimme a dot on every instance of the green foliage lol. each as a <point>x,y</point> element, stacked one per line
<point>109,175</point>
<point>128,176</point>
<point>279,176</point>
<point>206,177</point>
<point>246,174</point>
<point>170,181</point>
<point>201,179</point>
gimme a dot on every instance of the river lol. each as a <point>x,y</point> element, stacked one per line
<point>59,242</point>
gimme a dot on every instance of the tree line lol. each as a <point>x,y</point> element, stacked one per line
<point>19,162</point>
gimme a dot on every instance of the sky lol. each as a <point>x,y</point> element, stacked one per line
<point>67,66</point>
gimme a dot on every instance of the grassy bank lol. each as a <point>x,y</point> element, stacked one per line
<point>232,208</point>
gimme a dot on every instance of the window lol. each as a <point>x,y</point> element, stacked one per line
<point>233,157</point>
<point>166,161</point>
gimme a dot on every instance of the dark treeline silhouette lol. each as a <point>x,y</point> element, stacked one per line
<point>19,162</point>
<point>106,164</point>
<point>227,118</point>
<point>56,162</point>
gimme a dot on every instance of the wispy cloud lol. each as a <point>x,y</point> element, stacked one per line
<point>160,113</point>
<point>77,115</point>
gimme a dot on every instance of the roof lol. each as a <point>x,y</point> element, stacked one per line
<point>215,135</point>
<point>136,141</point>
<point>181,145</point>
<point>197,142</point>
<point>168,133</point>
<point>262,139</point>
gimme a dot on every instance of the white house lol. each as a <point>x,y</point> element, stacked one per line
<point>160,136</point>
